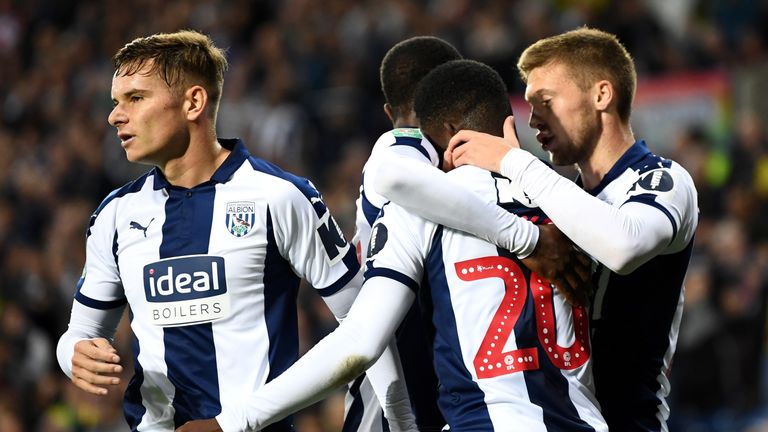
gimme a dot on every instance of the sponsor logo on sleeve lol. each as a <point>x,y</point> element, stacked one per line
<point>186,290</point>
<point>240,217</point>
<point>654,181</point>
<point>329,232</point>
<point>507,193</point>
<point>379,235</point>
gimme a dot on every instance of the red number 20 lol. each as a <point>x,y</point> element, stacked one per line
<point>490,360</point>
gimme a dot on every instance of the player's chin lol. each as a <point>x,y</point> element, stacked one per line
<point>131,156</point>
<point>135,156</point>
<point>561,158</point>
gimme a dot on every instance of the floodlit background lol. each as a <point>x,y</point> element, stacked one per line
<point>303,91</point>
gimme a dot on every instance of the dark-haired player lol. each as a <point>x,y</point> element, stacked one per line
<point>509,351</point>
<point>402,162</point>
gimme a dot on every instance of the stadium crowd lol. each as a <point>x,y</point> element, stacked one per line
<point>303,91</point>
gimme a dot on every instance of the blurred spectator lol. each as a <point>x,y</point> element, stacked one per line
<point>303,91</point>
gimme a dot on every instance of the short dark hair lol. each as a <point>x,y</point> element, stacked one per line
<point>180,59</point>
<point>406,63</point>
<point>468,92</point>
<point>589,55</point>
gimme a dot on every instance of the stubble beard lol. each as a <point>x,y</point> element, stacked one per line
<point>579,146</point>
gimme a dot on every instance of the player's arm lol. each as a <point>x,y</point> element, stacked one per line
<point>385,374</point>
<point>333,362</point>
<point>84,351</point>
<point>316,247</point>
<point>621,238</point>
<point>428,192</point>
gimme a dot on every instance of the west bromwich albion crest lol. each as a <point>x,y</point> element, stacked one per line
<point>240,217</point>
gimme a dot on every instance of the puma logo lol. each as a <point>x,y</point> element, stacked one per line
<point>136,225</point>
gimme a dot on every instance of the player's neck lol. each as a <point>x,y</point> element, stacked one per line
<point>610,146</point>
<point>403,121</point>
<point>197,164</point>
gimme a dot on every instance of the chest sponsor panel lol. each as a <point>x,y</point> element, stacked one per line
<point>186,290</point>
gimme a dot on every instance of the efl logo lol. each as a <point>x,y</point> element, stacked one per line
<point>186,290</point>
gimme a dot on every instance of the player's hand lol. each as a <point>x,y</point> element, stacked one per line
<point>556,259</point>
<point>93,362</point>
<point>209,425</point>
<point>482,150</point>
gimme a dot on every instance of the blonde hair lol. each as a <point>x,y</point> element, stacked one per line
<point>589,55</point>
<point>181,59</point>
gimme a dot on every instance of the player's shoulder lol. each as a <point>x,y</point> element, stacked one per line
<point>133,187</point>
<point>396,225</point>
<point>640,171</point>
<point>394,214</point>
<point>278,181</point>
<point>474,178</point>
<point>660,174</point>
<point>283,189</point>
<point>109,205</point>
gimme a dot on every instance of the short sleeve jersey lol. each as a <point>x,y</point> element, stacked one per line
<point>636,317</point>
<point>405,142</point>
<point>211,276</point>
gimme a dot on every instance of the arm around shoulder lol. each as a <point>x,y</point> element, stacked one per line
<point>622,238</point>
<point>432,194</point>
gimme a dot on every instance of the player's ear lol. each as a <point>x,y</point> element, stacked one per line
<point>602,94</point>
<point>195,101</point>
<point>388,112</point>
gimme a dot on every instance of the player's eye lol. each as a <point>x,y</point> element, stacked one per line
<point>136,98</point>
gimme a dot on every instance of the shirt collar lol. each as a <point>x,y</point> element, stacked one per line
<point>636,152</point>
<point>238,154</point>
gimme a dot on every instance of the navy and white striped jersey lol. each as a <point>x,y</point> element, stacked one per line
<point>636,317</point>
<point>639,223</point>
<point>362,411</point>
<point>210,275</point>
<point>510,352</point>
<point>406,142</point>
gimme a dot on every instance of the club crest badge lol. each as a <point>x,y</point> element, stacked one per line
<point>240,217</point>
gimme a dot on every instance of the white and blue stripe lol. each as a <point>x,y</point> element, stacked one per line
<point>189,371</point>
<point>538,399</point>
<point>362,410</point>
<point>636,317</point>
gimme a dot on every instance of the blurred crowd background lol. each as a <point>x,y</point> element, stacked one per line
<point>303,91</point>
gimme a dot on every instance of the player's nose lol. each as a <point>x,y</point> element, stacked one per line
<point>117,116</point>
<point>534,121</point>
